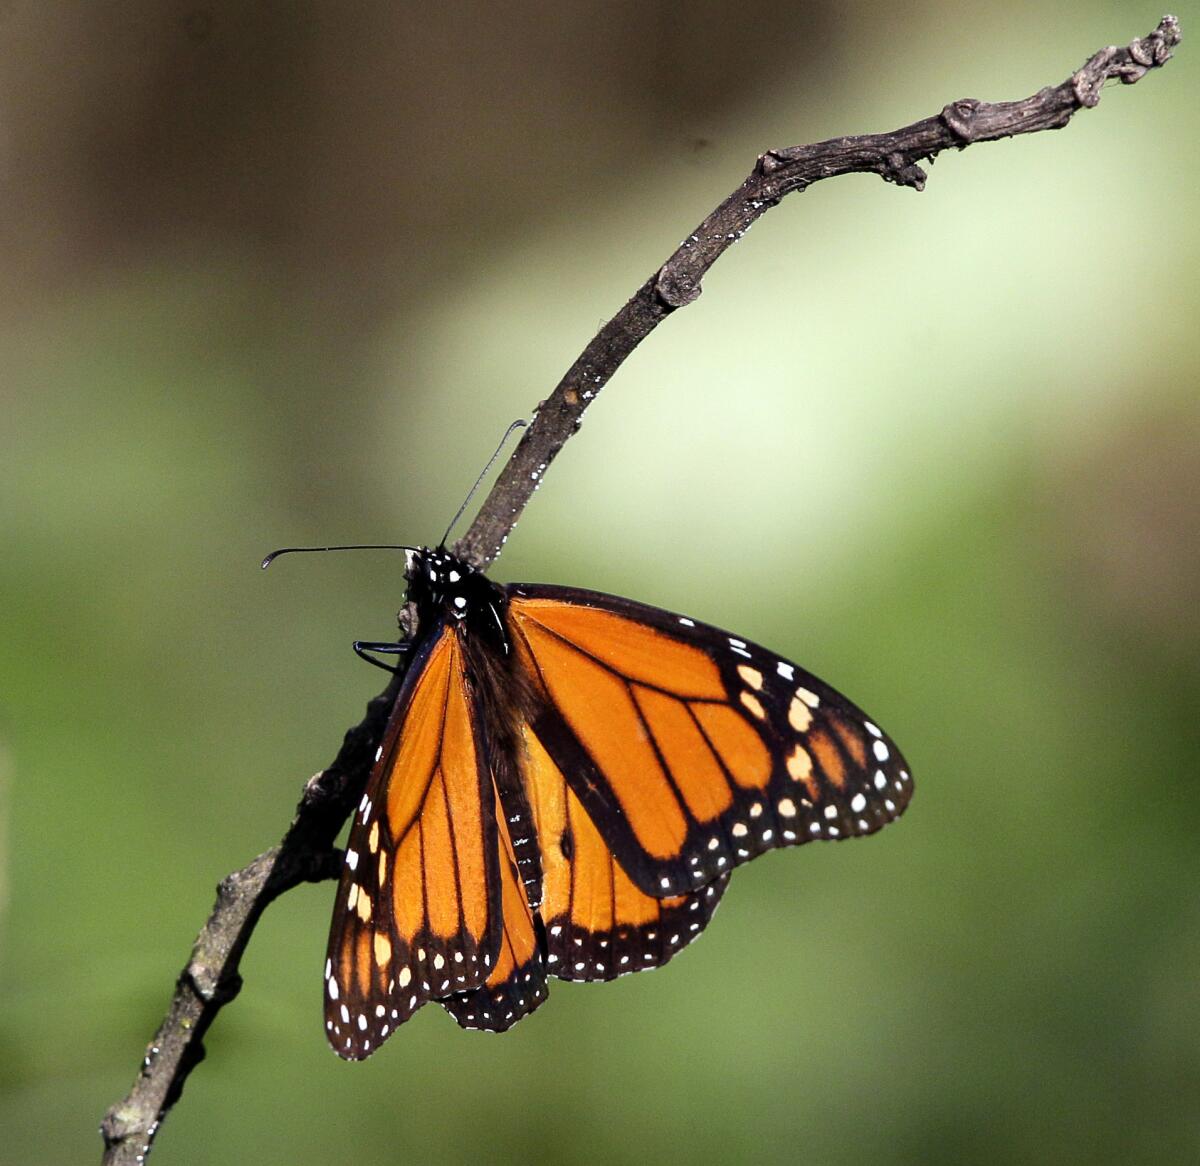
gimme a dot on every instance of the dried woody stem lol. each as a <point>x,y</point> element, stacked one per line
<point>306,853</point>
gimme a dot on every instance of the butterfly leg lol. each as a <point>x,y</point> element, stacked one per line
<point>362,647</point>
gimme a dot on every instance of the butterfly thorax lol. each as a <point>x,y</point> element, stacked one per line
<point>445,587</point>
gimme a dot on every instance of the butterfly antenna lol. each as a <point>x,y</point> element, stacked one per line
<point>491,462</point>
<point>355,547</point>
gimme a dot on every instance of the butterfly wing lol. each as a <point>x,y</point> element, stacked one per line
<point>598,924</point>
<point>692,750</point>
<point>418,912</point>
<point>516,983</point>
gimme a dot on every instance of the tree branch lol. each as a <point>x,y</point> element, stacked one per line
<point>895,157</point>
<point>306,853</point>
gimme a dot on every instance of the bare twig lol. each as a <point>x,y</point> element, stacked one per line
<point>210,979</point>
<point>895,157</point>
<point>306,853</point>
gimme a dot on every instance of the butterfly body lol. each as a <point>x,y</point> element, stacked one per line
<point>565,783</point>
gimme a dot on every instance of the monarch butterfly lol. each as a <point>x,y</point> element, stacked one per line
<point>565,783</point>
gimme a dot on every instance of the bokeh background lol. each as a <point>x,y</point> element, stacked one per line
<point>282,273</point>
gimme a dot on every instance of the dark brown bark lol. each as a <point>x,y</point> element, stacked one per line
<point>306,853</point>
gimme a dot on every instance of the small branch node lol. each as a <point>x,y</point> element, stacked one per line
<point>209,985</point>
<point>769,162</point>
<point>898,169</point>
<point>676,289</point>
<point>407,620</point>
<point>1143,49</point>
<point>1087,82</point>
<point>315,787</point>
<point>959,118</point>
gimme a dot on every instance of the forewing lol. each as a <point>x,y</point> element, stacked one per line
<point>693,750</point>
<point>417,913</point>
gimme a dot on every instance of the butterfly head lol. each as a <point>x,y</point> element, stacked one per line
<point>443,585</point>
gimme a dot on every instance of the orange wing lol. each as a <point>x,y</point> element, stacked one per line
<point>692,750</point>
<point>599,925</point>
<point>418,912</point>
<point>516,984</point>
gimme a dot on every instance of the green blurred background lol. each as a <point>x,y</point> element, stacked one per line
<point>283,273</point>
